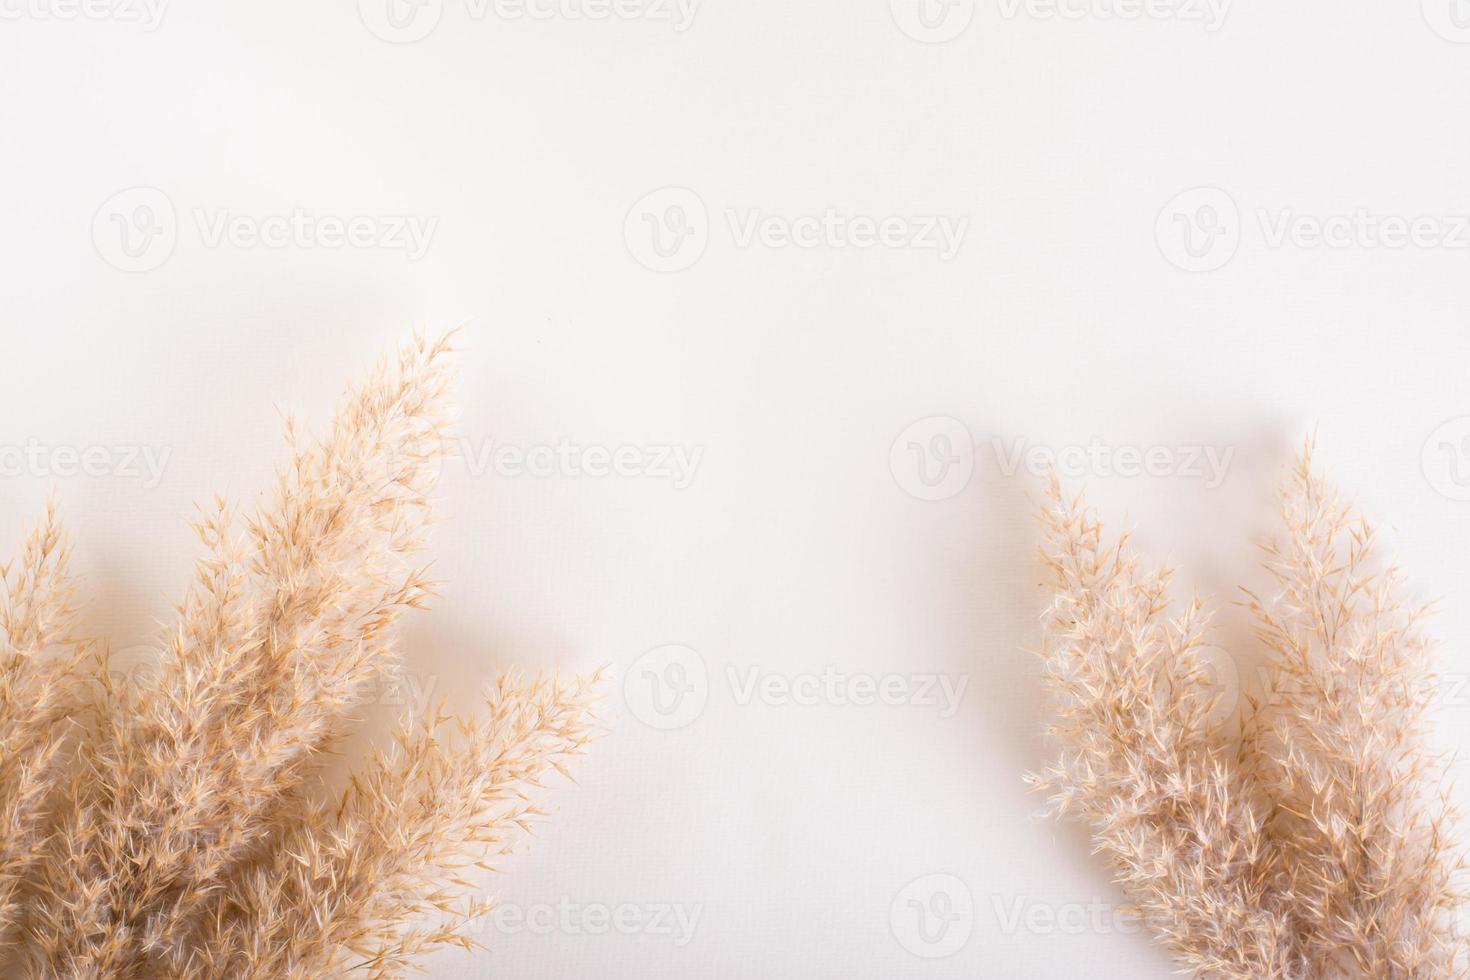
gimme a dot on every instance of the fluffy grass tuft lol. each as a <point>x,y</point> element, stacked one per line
<point>1317,844</point>
<point>175,824</point>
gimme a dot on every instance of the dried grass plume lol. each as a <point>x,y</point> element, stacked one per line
<point>1317,843</point>
<point>176,825</point>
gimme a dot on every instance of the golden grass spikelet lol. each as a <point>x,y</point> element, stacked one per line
<point>39,659</point>
<point>172,824</point>
<point>1317,844</point>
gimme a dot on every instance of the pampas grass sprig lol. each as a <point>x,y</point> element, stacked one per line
<point>175,824</point>
<point>1317,844</point>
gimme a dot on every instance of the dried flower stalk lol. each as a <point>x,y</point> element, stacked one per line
<point>178,829</point>
<point>1316,845</point>
<point>38,659</point>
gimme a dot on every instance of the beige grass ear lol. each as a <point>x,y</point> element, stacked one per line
<point>190,786</point>
<point>39,666</point>
<point>371,883</point>
<point>1368,850</point>
<point>1136,762</point>
<point>1321,845</point>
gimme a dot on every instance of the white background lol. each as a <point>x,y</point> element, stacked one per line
<point>1067,316</point>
